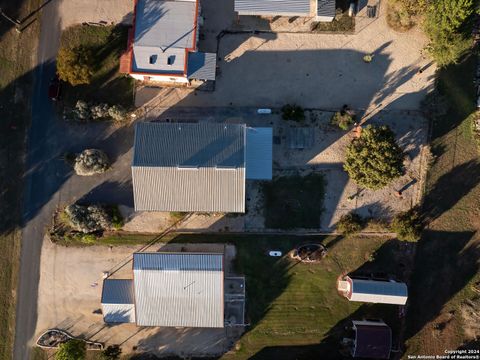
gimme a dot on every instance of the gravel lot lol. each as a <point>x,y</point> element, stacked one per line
<point>109,11</point>
<point>318,70</point>
<point>70,292</point>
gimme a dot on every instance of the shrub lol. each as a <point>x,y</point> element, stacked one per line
<point>117,113</point>
<point>71,350</point>
<point>88,219</point>
<point>90,162</point>
<point>84,111</point>
<point>177,215</point>
<point>343,119</point>
<point>74,65</point>
<point>368,58</point>
<point>407,225</point>
<point>116,216</point>
<point>350,224</point>
<point>293,112</point>
<point>374,159</point>
<point>81,111</point>
<point>99,112</point>
<point>112,352</point>
<point>401,14</point>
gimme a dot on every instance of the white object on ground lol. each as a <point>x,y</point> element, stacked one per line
<point>275,253</point>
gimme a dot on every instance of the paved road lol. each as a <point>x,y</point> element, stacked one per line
<point>37,188</point>
<point>49,181</point>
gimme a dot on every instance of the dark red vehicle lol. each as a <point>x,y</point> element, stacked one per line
<point>54,89</point>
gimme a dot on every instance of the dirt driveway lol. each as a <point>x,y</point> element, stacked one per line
<point>109,11</point>
<point>318,70</point>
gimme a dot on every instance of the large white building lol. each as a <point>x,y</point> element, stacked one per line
<point>168,289</point>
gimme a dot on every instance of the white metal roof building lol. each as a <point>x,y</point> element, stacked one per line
<point>118,304</point>
<point>168,289</point>
<point>165,40</point>
<point>197,167</point>
<point>179,289</point>
<point>373,291</point>
<point>324,9</point>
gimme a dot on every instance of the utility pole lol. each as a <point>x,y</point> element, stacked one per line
<point>15,22</point>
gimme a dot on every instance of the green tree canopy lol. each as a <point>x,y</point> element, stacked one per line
<point>74,65</point>
<point>71,350</point>
<point>374,159</point>
<point>445,24</point>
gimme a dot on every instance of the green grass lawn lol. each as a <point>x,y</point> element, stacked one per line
<point>294,201</point>
<point>107,44</point>
<point>447,256</point>
<point>293,308</point>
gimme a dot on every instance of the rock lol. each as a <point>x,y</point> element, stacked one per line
<point>90,162</point>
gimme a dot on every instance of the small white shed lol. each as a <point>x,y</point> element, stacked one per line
<point>374,291</point>
<point>118,305</point>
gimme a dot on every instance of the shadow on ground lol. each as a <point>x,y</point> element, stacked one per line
<point>444,262</point>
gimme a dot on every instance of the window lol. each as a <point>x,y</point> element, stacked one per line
<point>153,59</point>
<point>171,59</point>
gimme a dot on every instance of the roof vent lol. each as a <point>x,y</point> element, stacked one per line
<point>153,59</point>
<point>171,60</point>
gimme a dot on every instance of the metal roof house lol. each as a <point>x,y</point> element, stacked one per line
<point>168,289</point>
<point>197,166</point>
<point>163,43</point>
<point>373,340</point>
<point>373,291</point>
<point>324,10</point>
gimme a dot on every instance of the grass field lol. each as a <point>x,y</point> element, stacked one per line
<point>107,44</point>
<point>447,258</point>
<point>17,53</point>
<point>293,308</point>
<point>294,201</point>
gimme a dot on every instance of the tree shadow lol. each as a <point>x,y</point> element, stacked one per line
<point>445,262</point>
<point>450,188</point>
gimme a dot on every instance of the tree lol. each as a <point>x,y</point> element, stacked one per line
<point>74,65</point>
<point>407,225</point>
<point>112,352</point>
<point>445,25</point>
<point>350,224</point>
<point>71,350</point>
<point>374,159</point>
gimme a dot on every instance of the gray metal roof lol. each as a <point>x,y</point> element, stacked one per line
<point>189,167</point>
<point>326,9</point>
<point>273,7</point>
<point>259,153</point>
<point>118,301</point>
<point>386,292</point>
<point>179,289</point>
<point>201,66</point>
<point>163,30</point>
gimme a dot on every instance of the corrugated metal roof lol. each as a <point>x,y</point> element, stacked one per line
<point>372,341</point>
<point>273,7</point>
<point>163,30</point>
<point>385,292</point>
<point>201,66</point>
<point>165,24</point>
<point>189,167</point>
<point>179,289</point>
<point>326,9</point>
<point>118,301</point>
<point>259,153</point>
